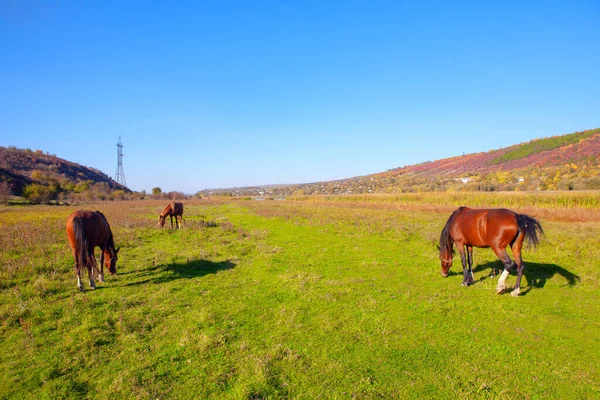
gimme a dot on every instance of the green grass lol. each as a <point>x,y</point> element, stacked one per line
<point>291,300</point>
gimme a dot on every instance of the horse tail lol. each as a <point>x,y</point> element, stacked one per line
<point>446,243</point>
<point>531,228</point>
<point>81,240</point>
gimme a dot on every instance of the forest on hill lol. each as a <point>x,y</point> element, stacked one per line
<point>566,162</point>
<point>40,177</point>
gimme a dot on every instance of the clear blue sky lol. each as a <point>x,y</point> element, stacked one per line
<point>220,93</point>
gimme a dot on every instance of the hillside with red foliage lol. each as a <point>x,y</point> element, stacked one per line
<point>584,150</point>
<point>567,162</point>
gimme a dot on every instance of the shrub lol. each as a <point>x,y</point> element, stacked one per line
<point>82,186</point>
<point>37,193</point>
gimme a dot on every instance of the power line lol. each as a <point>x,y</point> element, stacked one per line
<point>120,176</point>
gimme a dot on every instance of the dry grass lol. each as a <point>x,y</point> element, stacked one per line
<point>551,206</point>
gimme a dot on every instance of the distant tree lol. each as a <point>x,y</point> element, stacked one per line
<point>38,175</point>
<point>137,195</point>
<point>37,193</point>
<point>156,191</point>
<point>101,187</point>
<point>119,194</point>
<point>67,185</point>
<point>62,197</point>
<point>175,195</point>
<point>5,192</point>
<point>82,186</point>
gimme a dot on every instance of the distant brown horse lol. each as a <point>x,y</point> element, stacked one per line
<point>495,228</point>
<point>86,230</point>
<point>173,209</point>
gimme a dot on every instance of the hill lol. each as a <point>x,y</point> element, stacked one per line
<point>568,162</point>
<point>23,167</point>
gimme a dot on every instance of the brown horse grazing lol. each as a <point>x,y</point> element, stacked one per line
<point>173,209</point>
<point>495,228</point>
<point>86,230</point>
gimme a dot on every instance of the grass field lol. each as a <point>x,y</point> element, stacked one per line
<point>311,298</point>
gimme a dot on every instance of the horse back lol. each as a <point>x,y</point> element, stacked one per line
<point>492,227</point>
<point>95,227</point>
<point>177,208</point>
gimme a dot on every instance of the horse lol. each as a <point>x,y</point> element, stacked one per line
<point>85,231</point>
<point>495,228</point>
<point>173,209</point>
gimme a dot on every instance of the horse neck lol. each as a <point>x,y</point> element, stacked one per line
<point>446,241</point>
<point>167,210</point>
<point>110,244</point>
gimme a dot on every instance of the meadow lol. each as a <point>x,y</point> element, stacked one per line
<point>305,298</point>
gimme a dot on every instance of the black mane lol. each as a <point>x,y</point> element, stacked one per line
<point>445,239</point>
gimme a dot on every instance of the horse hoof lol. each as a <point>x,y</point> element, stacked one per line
<point>515,293</point>
<point>499,290</point>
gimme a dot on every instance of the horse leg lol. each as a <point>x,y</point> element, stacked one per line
<point>171,216</point>
<point>101,271</point>
<point>463,259</point>
<point>77,267</point>
<point>470,261</point>
<point>78,273</point>
<point>79,284</point>
<point>516,250</point>
<point>177,221</point>
<point>91,264</point>
<point>508,264</point>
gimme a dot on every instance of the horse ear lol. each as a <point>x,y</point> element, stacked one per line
<point>438,246</point>
<point>117,250</point>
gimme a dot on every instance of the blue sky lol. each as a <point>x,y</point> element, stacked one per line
<point>209,94</point>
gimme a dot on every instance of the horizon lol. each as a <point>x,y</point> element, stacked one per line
<point>282,185</point>
<point>231,94</point>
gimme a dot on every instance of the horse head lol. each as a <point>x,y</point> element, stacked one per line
<point>446,260</point>
<point>161,221</point>
<point>110,259</point>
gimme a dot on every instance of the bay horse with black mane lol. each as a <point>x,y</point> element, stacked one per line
<point>495,228</point>
<point>85,231</point>
<point>173,209</point>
